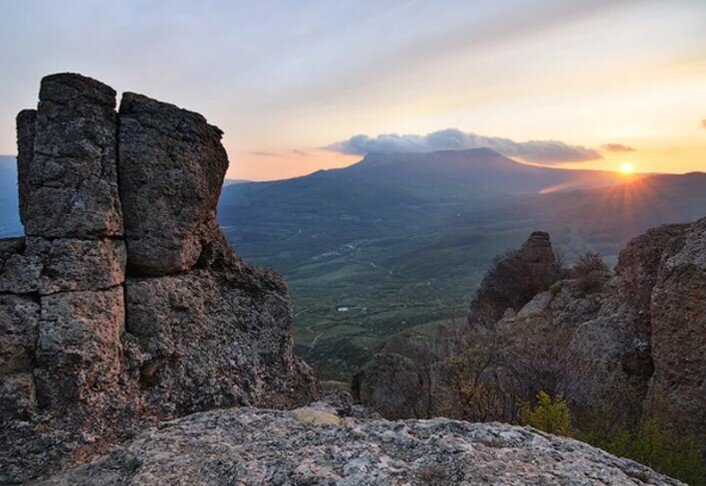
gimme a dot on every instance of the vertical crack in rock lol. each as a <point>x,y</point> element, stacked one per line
<point>94,350</point>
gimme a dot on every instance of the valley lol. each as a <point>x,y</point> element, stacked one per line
<point>403,241</point>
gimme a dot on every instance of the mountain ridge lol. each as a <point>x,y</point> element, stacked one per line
<point>405,249</point>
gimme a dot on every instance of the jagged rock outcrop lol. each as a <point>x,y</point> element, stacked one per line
<point>627,348</point>
<point>677,391</point>
<point>248,446</point>
<point>124,304</point>
<point>514,280</point>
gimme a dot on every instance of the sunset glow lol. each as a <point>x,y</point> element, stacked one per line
<point>627,168</point>
<point>283,81</point>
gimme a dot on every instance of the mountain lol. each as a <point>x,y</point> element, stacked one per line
<point>402,240</point>
<point>9,216</point>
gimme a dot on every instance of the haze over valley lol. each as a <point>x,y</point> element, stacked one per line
<point>353,242</point>
<point>400,241</point>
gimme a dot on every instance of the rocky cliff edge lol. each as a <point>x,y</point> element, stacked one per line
<point>124,304</point>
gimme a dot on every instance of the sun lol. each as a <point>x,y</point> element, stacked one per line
<point>627,168</point>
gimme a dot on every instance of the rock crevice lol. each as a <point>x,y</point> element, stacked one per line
<point>124,304</point>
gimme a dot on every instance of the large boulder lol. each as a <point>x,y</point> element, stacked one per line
<point>103,332</point>
<point>172,166</point>
<point>214,339</point>
<point>247,446</point>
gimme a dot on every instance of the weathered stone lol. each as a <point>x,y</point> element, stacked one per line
<point>70,183</point>
<point>248,446</point>
<point>212,339</point>
<point>79,346</point>
<point>34,264</point>
<point>19,318</point>
<point>19,273</point>
<point>26,130</point>
<point>677,395</point>
<point>638,270</point>
<point>394,386</point>
<point>205,330</point>
<point>630,350</point>
<point>70,264</point>
<point>172,166</point>
<point>17,398</point>
<point>514,280</point>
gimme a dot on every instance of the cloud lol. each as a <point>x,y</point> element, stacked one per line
<point>281,155</point>
<point>617,147</point>
<point>703,123</point>
<point>259,153</point>
<point>538,151</point>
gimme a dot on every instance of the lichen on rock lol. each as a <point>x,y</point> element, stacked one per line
<point>124,304</point>
<point>250,447</point>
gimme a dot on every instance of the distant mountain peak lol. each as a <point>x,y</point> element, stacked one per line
<point>374,158</point>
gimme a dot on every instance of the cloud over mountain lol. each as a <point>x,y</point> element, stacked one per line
<point>538,151</point>
<point>617,147</point>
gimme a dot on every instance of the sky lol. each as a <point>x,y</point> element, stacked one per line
<point>301,86</point>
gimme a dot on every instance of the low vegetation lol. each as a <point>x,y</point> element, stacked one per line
<point>548,414</point>
<point>648,443</point>
<point>590,270</point>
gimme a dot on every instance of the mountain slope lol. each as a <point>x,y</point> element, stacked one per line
<point>402,240</point>
<point>9,215</point>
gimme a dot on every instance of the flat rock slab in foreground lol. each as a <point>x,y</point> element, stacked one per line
<point>251,446</point>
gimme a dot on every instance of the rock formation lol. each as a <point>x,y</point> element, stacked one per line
<point>308,446</point>
<point>394,385</point>
<point>514,280</point>
<point>124,304</point>
<point>631,349</point>
<point>678,333</point>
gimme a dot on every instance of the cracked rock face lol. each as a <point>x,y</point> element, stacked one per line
<point>171,168</point>
<point>244,356</point>
<point>67,160</point>
<point>124,304</point>
<point>632,349</point>
<point>248,446</point>
<point>678,328</point>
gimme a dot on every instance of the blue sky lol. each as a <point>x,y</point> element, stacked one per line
<point>285,79</point>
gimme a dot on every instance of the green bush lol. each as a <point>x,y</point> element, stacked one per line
<point>659,449</point>
<point>549,415</point>
<point>650,444</point>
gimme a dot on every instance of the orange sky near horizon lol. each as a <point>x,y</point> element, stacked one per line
<point>283,79</point>
<point>653,158</point>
